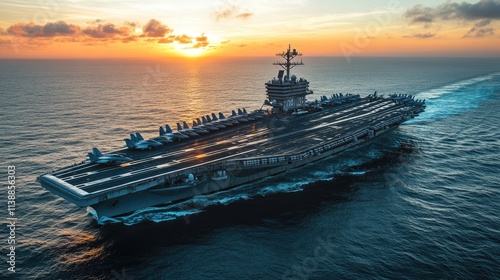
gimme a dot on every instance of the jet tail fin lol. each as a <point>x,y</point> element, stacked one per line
<point>162,131</point>
<point>96,152</point>
<point>240,112</point>
<point>129,143</point>
<point>139,136</point>
<point>214,117</point>
<point>179,127</point>
<point>92,157</point>
<point>185,125</point>
<point>133,138</point>
<point>168,129</point>
<point>221,116</point>
<point>233,113</point>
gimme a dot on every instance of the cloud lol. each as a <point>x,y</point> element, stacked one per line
<point>97,21</point>
<point>479,30</point>
<point>483,23</point>
<point>483,13</point>
<point>484,9</point>
<point>419,13</point>
<point>166,41</point>
<point>131,24</point>
<point>95,29</point>
<point>129,39</point>
<point>58,28</point>
<point>107,30</point>
<point>154,28</point>
<point>231,11</point>
<point>244,15</point>
<point>421,35</point>
<point>99,33</point>
<point>201,41</point>
<point>183,39</point>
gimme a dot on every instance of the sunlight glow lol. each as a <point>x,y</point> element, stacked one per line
<point>207,29</point>
<point>189,51</point>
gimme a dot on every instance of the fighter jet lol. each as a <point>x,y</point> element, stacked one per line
<point>162,139</point>
<point>207,120</point>
<point>237,117</point>
<point>224,122</point>
<point>174,135</point>
<point>137,142</point>
<point>222,117</point>
<point>196,129</point>
<point>255,115</point>
<point>186,131</point>
<point>204,125</point>
<point>108,159</point>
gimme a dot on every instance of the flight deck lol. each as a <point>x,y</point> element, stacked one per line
<point>274,135</point>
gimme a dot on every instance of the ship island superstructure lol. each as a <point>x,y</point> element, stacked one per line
<point>287,92</point>
<point>242,148</point>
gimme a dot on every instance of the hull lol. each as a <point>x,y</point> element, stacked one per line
<point>161,194</point>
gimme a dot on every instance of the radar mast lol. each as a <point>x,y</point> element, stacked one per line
<point>289,55</point>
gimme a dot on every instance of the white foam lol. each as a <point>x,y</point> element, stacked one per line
<point>282,188</point>
<point>229,200</point>
<point>357,173</point>
<point>438,92</point>
<point>455,98</point>
<point>156,215</point>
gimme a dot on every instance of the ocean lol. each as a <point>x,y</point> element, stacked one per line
<point>421,202</point>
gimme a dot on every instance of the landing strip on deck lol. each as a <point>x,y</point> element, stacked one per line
<point>275,135</point>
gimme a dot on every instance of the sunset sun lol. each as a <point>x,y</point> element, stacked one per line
<point>190,51</point>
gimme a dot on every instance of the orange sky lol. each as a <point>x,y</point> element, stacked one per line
<point>99,29</point>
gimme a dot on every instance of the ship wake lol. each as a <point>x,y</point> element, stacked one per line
<point>457,98</point>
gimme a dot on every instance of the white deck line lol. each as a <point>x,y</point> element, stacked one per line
<point>66,185</point>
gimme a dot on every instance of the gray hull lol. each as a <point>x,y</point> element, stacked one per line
<point>159,194</point>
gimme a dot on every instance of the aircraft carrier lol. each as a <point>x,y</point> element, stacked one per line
<point>245,147</point>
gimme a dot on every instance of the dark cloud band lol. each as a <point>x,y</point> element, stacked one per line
<point>484,9</point>
<point>104,31</point>
<point>482,13</point>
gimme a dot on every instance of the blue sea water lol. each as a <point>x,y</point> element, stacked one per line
<point>421,202</point>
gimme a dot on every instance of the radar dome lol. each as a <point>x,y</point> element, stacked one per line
<point>294,78</point>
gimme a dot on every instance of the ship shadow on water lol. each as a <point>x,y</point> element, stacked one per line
<point>259,210</point>
<point>399,155</point>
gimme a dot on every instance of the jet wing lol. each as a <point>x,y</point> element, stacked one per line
<point>142,146</point>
